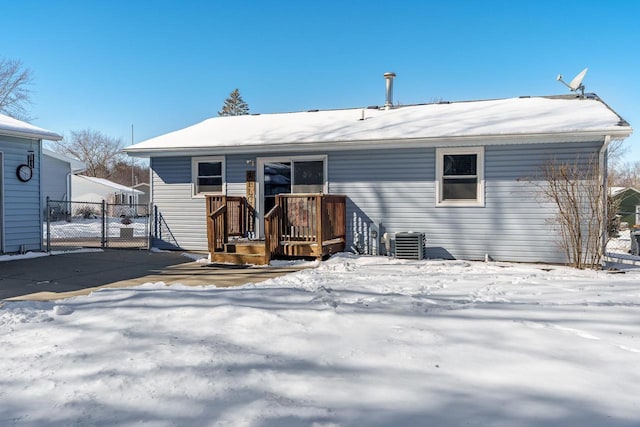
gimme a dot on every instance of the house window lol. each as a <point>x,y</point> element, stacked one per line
<point>460,176</point>
<point>308,176</point>
<point>208,175</point>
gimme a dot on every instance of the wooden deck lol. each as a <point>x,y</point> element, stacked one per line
<point>299,225</point>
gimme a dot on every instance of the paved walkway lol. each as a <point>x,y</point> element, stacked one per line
<point>70,274</point>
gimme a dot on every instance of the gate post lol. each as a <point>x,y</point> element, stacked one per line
<point>149,237</point>
<point>155,223</point>
<point>103,241</point>
<point>48,226</point>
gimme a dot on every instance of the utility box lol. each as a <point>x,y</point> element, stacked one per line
<point>635,242</point>
<point>410,245</point>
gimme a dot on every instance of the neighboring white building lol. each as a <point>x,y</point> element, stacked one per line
<point>57,170</point>
<point>144,198</point>
<point>94,190</point>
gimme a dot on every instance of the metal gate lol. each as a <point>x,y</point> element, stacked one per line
<point>624,240</point>
<point>72,224</point>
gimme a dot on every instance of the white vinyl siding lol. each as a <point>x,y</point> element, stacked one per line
<point>396,189</point>
<point>21,205</point>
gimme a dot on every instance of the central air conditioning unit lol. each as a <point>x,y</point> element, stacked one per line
<point>410,245</point>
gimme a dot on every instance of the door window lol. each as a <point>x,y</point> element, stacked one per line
<point>277,180</point>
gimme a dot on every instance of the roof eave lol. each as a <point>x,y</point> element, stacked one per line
<point>492,139</point>
<point>31,135</point>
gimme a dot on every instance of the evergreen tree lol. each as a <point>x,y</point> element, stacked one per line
<point>234,105</point>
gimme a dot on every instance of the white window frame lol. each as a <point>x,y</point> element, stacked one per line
<point>194,175</point>
<point>260,177</point>
<point>440,153</point>
<point>637,214</point>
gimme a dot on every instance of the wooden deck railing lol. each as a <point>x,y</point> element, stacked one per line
<point>334,215</point>
<point>299,219</point>
<point>241,216</point>
<point>312,217</point>
<point>228,216</point>
<point>272,221</point>
<point>217,229</point>
<point>299,216</point>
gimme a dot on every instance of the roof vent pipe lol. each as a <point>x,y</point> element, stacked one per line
<point>389,101</point>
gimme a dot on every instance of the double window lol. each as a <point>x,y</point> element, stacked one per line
<point>207,175</point>
<point>460,176</point>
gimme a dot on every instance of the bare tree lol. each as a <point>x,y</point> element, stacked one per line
<point>129,173</point>
<point>625,174</point>
<point>579,195</point>
<point>15,94</point>
<point>99,152</point>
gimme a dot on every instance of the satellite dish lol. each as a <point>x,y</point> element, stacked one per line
<point>576,83</point>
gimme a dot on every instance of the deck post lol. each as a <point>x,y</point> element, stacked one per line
<point>210,210</point>
<point>319,221</point>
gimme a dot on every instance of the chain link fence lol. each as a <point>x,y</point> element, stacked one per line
<point>624,240</point>
<point>72,224</point>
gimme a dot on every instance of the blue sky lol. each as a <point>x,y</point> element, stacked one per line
<point>164,65</point>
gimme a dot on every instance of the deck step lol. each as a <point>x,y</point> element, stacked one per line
<point>237,258</point>
<point>246,248</point>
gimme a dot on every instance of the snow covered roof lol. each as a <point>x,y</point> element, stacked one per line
<point>76,165</point>
<point>614,191</point>
<point>471,119</point>
<point>13,127</point>
<point>110,184</point>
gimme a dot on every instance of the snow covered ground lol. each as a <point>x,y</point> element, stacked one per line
<point>92,227</point>
<point>358,341</point>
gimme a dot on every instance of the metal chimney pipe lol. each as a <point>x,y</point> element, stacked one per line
<point>389,101</point>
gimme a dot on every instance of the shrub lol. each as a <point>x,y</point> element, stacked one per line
<point>87,212</point>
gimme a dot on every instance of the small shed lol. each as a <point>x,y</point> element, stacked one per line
<point>628,202</point>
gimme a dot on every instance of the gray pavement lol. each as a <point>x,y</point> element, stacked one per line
<point>70,274</point>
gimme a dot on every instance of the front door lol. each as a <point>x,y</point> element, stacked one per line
<point>286,175</point>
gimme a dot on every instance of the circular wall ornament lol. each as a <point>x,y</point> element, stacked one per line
<point>24,173</point>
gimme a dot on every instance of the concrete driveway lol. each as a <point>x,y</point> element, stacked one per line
<point>71,274</point>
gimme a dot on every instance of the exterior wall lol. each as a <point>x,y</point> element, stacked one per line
<point>395,189</point>
<point>20,201</point>
<point>184,224</point>
<point>55,174</point>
